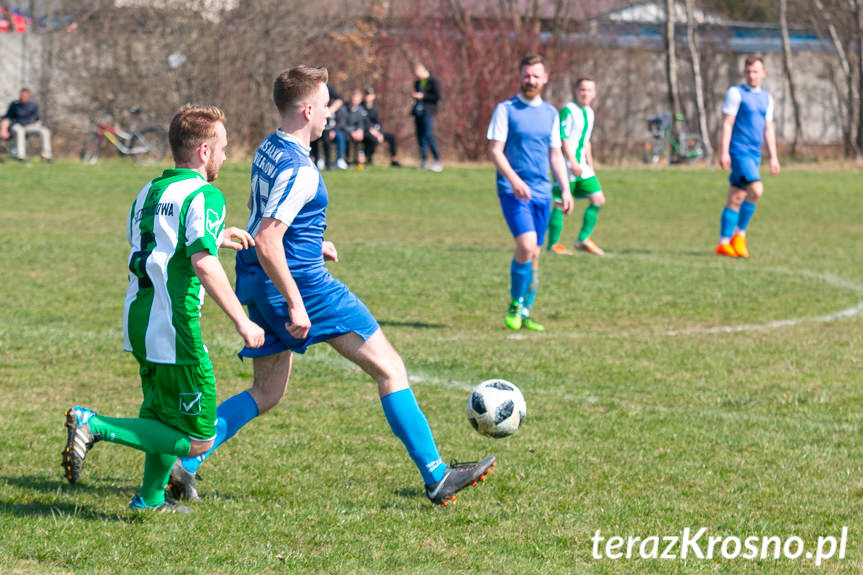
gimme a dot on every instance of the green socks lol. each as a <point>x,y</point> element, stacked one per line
<point>588,223</point>
<point>157,471</point>
<point>149,435</point>
<point>555,226</point>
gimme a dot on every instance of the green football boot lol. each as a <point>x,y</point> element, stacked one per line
<point>513,316</point>
<point>528,323</point>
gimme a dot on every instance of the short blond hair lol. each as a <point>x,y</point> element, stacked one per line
<point>296,84</point>
<point>752,59</point>
<point>190,127</point>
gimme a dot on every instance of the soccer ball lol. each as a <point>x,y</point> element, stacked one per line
<point>496,408</point>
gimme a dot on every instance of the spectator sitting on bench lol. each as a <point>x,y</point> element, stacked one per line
<point>356,127</point>
<point>23,117</point>
<point>376,132</point>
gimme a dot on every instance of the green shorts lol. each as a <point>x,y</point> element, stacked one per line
<point>182,396</point>
<point>579,189</point>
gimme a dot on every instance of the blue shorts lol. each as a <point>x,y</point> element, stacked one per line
<point>332,308</point>
<point>523,217</point>
<point>744,171</point>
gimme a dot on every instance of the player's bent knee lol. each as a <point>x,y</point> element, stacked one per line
<point>199,447</point>
<point>755,191</point>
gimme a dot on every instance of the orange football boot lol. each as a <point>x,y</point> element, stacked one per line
<point>561,249</point>
<point>590,247</point>
<point>726,250</point>
<point>738,242</point>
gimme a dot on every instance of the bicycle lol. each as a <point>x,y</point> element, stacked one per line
<point>667,146</point>
<point>148,144</point>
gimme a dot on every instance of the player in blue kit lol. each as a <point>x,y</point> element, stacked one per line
<point>747,120</point>
<point>524,136</point>
<point>291,294</point>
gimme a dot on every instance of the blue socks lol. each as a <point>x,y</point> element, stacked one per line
<point>728,222</point>
<point>232,414</point>
<point>531,293</point>
<point>411,427</point>
<point>520,276</point>
<point>747,208</point>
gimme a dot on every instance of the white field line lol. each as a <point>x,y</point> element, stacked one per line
<point>827,278</point>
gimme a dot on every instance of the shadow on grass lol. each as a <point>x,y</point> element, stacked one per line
<point>63,509</point>
<point>413,324</point>
<point>680,253</point>
<point>105,486</point>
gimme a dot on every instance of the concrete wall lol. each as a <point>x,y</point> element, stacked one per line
<point>20,65</point>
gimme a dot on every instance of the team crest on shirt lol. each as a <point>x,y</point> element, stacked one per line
<point>215,221</point>
<point>190,403</point>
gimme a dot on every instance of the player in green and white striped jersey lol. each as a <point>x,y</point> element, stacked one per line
<point>175,229</point>
<point>576,127</point>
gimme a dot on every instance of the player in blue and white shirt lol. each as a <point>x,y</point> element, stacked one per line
<point>291,294</point>
<point>524,141</point>
<point>747,120</point>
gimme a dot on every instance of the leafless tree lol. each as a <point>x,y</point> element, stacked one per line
<point>858,7</point>
<point>834,22</point>
<point>695,57</point>
<point>789,75</point>
<point>671,64</point>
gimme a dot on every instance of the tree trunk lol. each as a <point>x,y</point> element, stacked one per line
<point>671,64</point>
<point>859,30</point>
<point>849,126</point>
<point>692,41</point>
<point>789,75</point>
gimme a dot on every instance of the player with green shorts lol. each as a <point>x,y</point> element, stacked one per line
<point>576,126</point>
<point>175,228</point>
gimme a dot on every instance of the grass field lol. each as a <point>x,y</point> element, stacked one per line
<point>672,389</point>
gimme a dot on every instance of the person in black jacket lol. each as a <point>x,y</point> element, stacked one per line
<point>376,134</point>
<point>356,125</point>
<point>426,97</point>
<point>22,119</point>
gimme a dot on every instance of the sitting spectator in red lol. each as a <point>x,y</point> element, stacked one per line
<point>23,117</point>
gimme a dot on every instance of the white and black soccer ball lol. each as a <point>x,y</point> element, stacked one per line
<point>496,408</point>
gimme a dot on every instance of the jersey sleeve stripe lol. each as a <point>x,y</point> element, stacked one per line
<point>303,186</point>
<point>282,188</point>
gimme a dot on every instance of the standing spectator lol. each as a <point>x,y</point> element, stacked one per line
<point>378,136</point>
<point>23,116</point>
<point>426,97</point>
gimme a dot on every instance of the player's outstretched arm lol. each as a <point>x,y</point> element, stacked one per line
<point>244,239</point>
<point>209,270</point>
<point>519,188</point>
<point>271,254</point>
<point>558,168</point>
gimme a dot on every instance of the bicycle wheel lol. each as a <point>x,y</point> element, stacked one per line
<point>149,146</point>
<point>92,149</point>
<point>693,150</point>
<point>654,152</point>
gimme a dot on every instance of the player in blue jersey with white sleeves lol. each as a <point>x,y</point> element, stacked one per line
<point>291,294</point>
<point>747,120</point>
<point>524,141</point>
